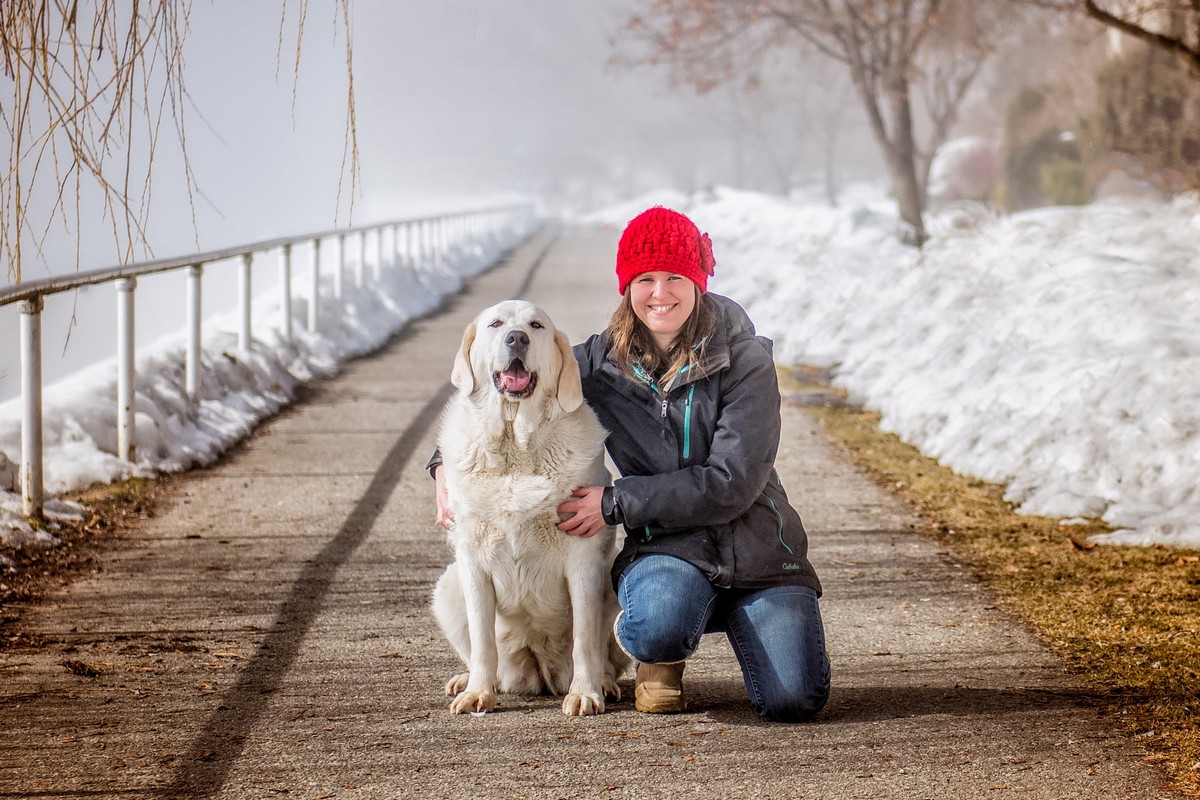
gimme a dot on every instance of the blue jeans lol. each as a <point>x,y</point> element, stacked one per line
<point>776,633</point>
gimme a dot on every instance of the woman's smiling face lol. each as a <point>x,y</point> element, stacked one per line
<point>663,301</point>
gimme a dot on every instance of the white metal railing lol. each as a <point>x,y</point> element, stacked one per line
<point>403,242</point>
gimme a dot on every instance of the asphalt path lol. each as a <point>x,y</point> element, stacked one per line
<point>267,633</point>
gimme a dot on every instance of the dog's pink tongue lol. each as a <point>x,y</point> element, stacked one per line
<point>515,380</point>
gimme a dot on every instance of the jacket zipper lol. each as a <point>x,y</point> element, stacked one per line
<point>664,406</point>
<point>687,423</point>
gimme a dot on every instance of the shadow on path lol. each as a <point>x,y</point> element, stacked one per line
<point>725,702</point>
<point>207,765</point>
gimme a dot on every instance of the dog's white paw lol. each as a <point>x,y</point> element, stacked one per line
<point>457,683</point>
<point>611,690</point>
<point>578,704</point>
<point>473,702</point>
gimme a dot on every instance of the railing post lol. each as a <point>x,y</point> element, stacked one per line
<point>244,301</point>
<point>192,372</point>
<point>315,288</point>
<point>378,255</point>
<point>126,370</point>
<point>360,268</point>
<point>339,288</point>
<point>285,291</point>
<point>32,492</point>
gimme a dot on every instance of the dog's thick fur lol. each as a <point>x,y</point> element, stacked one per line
<point>528,608</point>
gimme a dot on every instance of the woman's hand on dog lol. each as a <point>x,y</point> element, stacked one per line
<point>445,517</point>
<point>584,517</point>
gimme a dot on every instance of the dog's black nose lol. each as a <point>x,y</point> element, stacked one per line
<point>518,339</point>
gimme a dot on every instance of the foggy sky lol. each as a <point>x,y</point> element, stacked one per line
<point>457,101</point>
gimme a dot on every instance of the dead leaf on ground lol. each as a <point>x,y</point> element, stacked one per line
<point>81,668</point>
<point>1082,545</point>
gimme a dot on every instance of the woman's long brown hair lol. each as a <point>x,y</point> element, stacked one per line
<point>630,341</point>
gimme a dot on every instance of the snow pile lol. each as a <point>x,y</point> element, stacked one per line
<point>1056,351</point>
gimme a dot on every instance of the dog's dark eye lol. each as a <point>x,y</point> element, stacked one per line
<point>496,323</point>
<point>536,324</point>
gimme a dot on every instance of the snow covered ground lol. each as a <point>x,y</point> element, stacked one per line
<point>1056,351</point>
<point>238,389</point>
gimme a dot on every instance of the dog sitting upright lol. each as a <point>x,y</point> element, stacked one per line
<point>528,608</point>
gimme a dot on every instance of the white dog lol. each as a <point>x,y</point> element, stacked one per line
<point>528,608</point>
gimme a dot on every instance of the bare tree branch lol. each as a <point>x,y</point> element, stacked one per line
<point>1134,24</point>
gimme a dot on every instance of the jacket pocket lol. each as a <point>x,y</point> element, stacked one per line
<point>770,545</point>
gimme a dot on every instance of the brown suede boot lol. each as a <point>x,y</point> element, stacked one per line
<point>659,688</point>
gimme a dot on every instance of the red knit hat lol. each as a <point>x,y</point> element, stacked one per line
<point>662,239</point>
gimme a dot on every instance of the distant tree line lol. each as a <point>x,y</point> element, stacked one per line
<point>913,65</point>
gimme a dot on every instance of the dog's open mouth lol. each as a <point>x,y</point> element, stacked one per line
<point>514,380</point>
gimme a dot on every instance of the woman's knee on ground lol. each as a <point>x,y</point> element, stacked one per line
<point>799,703</point>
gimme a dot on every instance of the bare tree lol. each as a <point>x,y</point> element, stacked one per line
<point>92,87</point>
<point>891,49</point>
<point>1173,25</point>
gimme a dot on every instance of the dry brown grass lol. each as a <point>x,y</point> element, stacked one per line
<point>112,510</point>
<point>1125,618</point>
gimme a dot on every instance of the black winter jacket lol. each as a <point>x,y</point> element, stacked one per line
<point>697,461</point>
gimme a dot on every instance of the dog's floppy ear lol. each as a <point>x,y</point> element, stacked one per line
<point>570,386</point>
<point>462,376</point>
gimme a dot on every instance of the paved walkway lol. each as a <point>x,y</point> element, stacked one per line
<point>267,635</point>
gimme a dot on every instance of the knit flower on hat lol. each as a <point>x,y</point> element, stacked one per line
<point>708,262</point>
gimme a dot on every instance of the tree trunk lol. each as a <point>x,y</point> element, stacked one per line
<point>902,160</point>
<point>899,150</point>
<point>907,189</point>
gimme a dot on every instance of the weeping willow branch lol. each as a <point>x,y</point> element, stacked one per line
<point>91,88</point>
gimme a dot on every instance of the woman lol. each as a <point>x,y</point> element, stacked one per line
<point>691,401</point>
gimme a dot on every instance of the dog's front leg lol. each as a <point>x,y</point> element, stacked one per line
<point>480,596</point>
<point>586,581</point>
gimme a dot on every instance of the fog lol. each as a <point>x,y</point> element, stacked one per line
<point>459,104</point>
<point>465,96</point>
